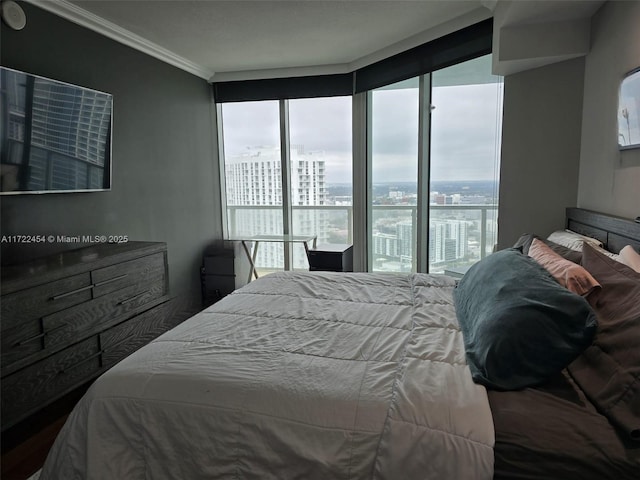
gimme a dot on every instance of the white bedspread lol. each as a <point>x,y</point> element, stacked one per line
<point>295,376</point>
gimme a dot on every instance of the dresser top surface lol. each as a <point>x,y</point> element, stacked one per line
<point>71,262</point>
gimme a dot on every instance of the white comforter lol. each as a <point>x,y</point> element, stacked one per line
<point>295,376</point>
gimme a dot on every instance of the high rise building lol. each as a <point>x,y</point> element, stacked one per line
<point>405,239</point>
<point>385,244</point>
<point>447,240</point>
<point>254,179</point>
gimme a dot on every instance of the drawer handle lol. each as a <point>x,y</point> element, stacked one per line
<point>28,340</point>
<point>36,337</point>
<point>72,292</point>
<point>114,279</point>
<point>131,299</point>
<point>81,362</point>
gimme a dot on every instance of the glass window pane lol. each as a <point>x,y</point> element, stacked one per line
<point>321,166</point>
<point>394,172</point>
<point>251,135</point>
<point>466,124</point>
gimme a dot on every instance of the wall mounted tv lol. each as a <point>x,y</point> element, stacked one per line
<point>54,136</point>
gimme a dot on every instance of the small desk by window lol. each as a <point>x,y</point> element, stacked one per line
<point>252,253</point>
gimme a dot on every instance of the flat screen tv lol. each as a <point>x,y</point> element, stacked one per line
<point>54,136</point>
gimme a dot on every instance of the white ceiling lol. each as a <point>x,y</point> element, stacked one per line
<point>243,39</point>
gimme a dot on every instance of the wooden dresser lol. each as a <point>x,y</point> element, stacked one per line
<point>67,318</point>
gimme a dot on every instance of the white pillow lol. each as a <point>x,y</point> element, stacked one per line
<point>609,254</point>
<point>630,258</point>
<point>572,240</point>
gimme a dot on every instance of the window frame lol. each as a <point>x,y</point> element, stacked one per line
<point>457,47</point>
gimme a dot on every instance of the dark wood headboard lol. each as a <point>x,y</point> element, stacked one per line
<point>614,232</point>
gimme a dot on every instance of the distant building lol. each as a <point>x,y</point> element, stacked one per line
<point>405,239</point>
<point>473,200</point>
<point>385,244</point>
<point>439,198</point>
<point>343,200</point>
<point>447,240</point>
<point>254,179</point>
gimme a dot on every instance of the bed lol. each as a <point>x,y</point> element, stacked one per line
<point>327,375</point>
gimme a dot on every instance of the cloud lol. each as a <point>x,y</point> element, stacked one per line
<point>465,140</point>
<point>250,124</point>
<point>465,131</point>
<point>321,124</point>
<point>395,122</point>
<point>338,167</point>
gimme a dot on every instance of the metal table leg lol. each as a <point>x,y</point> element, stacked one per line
<point>252,259</point>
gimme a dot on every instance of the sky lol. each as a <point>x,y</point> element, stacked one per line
<point>465,125</point>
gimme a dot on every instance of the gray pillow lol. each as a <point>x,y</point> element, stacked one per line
<point>519,325</point>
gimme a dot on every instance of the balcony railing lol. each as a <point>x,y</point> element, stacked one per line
<point>242,222</point>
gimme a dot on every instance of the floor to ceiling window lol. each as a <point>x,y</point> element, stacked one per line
<point>466,125</point>
<point>458,207</point>
<point>423,195</point>
<point>321,171</point>
<point>251,136</point>
<point>394,169</point>
<point>318,166</point>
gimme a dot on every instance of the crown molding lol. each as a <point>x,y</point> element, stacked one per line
<point>79,16</point>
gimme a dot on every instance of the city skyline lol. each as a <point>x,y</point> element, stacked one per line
<point>254,203</point>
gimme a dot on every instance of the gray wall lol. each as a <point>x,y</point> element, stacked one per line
<point>541,136</point>
<point>609,179</point>
<point>559,145</point>
<point>165,179</point>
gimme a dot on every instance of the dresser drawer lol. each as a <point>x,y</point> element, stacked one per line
<point>22,330</point>
<point>115,277</point>
<point>44,381</point>
<point>36,302</point>
<point>100,313</point>
<point>128,336</point>
<point>18,343</point>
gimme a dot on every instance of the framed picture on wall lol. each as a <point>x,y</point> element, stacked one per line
<point>629,111</point>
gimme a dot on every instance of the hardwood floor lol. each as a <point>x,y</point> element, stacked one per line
<point>27,458</point>
<point>25,446</point>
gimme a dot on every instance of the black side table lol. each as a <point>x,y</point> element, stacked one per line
<point>217,274</point>
<point>331,257</point>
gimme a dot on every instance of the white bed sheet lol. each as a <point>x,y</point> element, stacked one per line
<point>295,376</point>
